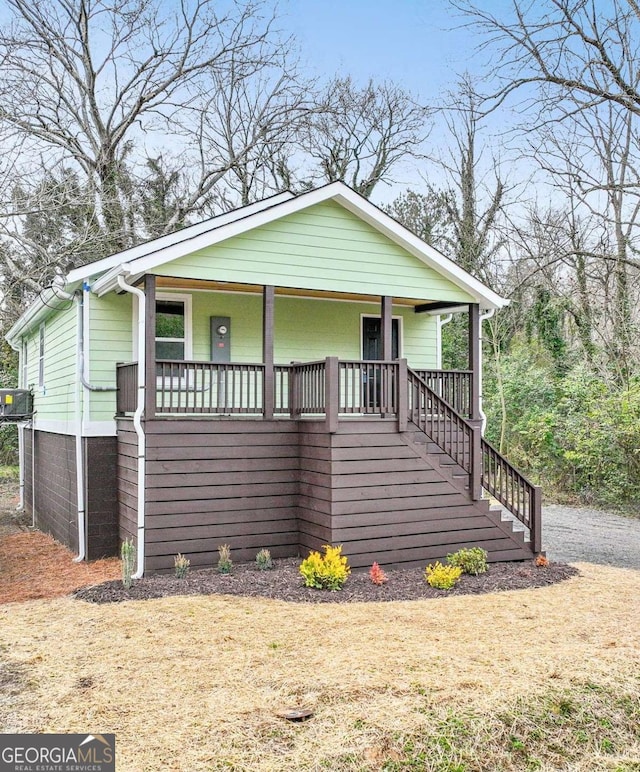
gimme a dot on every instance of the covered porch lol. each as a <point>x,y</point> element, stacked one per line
<point>328,387</point>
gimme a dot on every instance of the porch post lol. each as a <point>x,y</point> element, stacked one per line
<point>331,394</point>
<point>268,296</point>
<point>149,363</point>
<point>386,316</point>
<point>474,360</point>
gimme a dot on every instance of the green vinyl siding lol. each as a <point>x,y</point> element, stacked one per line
<point>110,341</point>
<point>55,400</point>
<point>305,329</point>
<point>324,247</point>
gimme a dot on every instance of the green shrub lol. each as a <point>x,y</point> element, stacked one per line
<point>128,556</point>
<point>181,565</point>
<point>442,577</point>
<point>471,561</point>
<point>264,560</point>
<point>224,559</point>
<point>325,572</point>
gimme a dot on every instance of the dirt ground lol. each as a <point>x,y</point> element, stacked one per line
<point>284,582</point>
<point>545,679</point>
<point>32,564</point>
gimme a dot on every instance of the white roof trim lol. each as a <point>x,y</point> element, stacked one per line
<point>336,191</point>
<point>146,257</point>
<point>184,235</point>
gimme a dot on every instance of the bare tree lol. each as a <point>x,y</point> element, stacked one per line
<point>361,135</point>
<point>90,83</point>
<point>477,197</point>
<point>580,48</point>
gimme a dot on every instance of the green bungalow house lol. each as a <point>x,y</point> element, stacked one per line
<point>267,378</point>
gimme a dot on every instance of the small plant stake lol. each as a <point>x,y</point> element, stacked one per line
<point>128,555</point>
<point>181,565</point>
<point>224,560</point>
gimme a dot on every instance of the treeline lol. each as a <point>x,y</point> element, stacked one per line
<point>121,122</point>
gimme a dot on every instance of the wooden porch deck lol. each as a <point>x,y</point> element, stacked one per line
<point>368,455</point>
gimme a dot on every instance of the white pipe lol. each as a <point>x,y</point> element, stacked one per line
<point>20,506</point>
<point>137,420</point>
<point>440,323</point>
<point>486,315</point>
<point>21,427</point>
<point>79,410</point>
<point>33,470</point>
<point>84,345</point>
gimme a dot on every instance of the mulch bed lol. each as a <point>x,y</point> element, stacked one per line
<point>284,582</point>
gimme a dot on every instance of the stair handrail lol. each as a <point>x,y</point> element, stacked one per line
<point>497,475</point>
<point>440,421</point>
<point>513,490</point>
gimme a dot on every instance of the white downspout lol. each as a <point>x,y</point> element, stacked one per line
<point>79,405</point>
<point>20,506</point>
<point>486,315</point>
<point>440,323</point>
<point>21,427</point>
<point>137,420</point>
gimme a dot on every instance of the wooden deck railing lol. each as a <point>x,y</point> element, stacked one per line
<point>127,385</point>
<point>209,387</point>
<point>329,388</point>
<point>487,468</point>
<point>454,386</point>
<point>446,428</point>
<point>505,483</point>
<point>368,387</point>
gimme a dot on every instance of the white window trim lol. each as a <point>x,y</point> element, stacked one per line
<point>188,323</point>
<point>400,332</point>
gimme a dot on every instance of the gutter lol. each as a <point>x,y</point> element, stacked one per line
<point>137,421</point>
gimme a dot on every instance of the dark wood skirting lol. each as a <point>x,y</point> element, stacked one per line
<point>56,499</point>
<point>101,496</point>
<point>218,482</point>
<point>54,491</point>
<point>292,487</point>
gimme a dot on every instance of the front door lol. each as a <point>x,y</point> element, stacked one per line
<point>372,338</point>
<point>372,376</point>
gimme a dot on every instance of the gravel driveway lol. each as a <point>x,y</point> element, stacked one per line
<point>571,534</point>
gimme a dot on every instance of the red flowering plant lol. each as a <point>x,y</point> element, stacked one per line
<point>377,575</point>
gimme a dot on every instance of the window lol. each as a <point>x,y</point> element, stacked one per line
<point>41,358</point>
<point>171,329</point>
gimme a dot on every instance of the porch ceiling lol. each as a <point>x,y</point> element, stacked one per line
<point>167,282</point>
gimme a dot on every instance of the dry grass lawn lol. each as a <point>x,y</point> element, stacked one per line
<point>543,679</point>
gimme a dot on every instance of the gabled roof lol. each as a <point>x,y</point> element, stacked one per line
<point>335,191</point>
<point>145,257</point>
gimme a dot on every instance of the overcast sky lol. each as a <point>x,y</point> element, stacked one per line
<point>417,43</point>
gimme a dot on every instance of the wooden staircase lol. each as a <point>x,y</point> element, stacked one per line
<point>471,463</point>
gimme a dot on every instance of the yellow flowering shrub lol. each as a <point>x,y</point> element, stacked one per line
<point>325,572</point>
<point>442,577</point>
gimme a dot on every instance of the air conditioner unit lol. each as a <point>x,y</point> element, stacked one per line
<point>15,405</point>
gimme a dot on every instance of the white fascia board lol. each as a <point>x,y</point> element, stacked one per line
<point>184,235</point>
<point>343,195</point>
<point>419,248</point>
